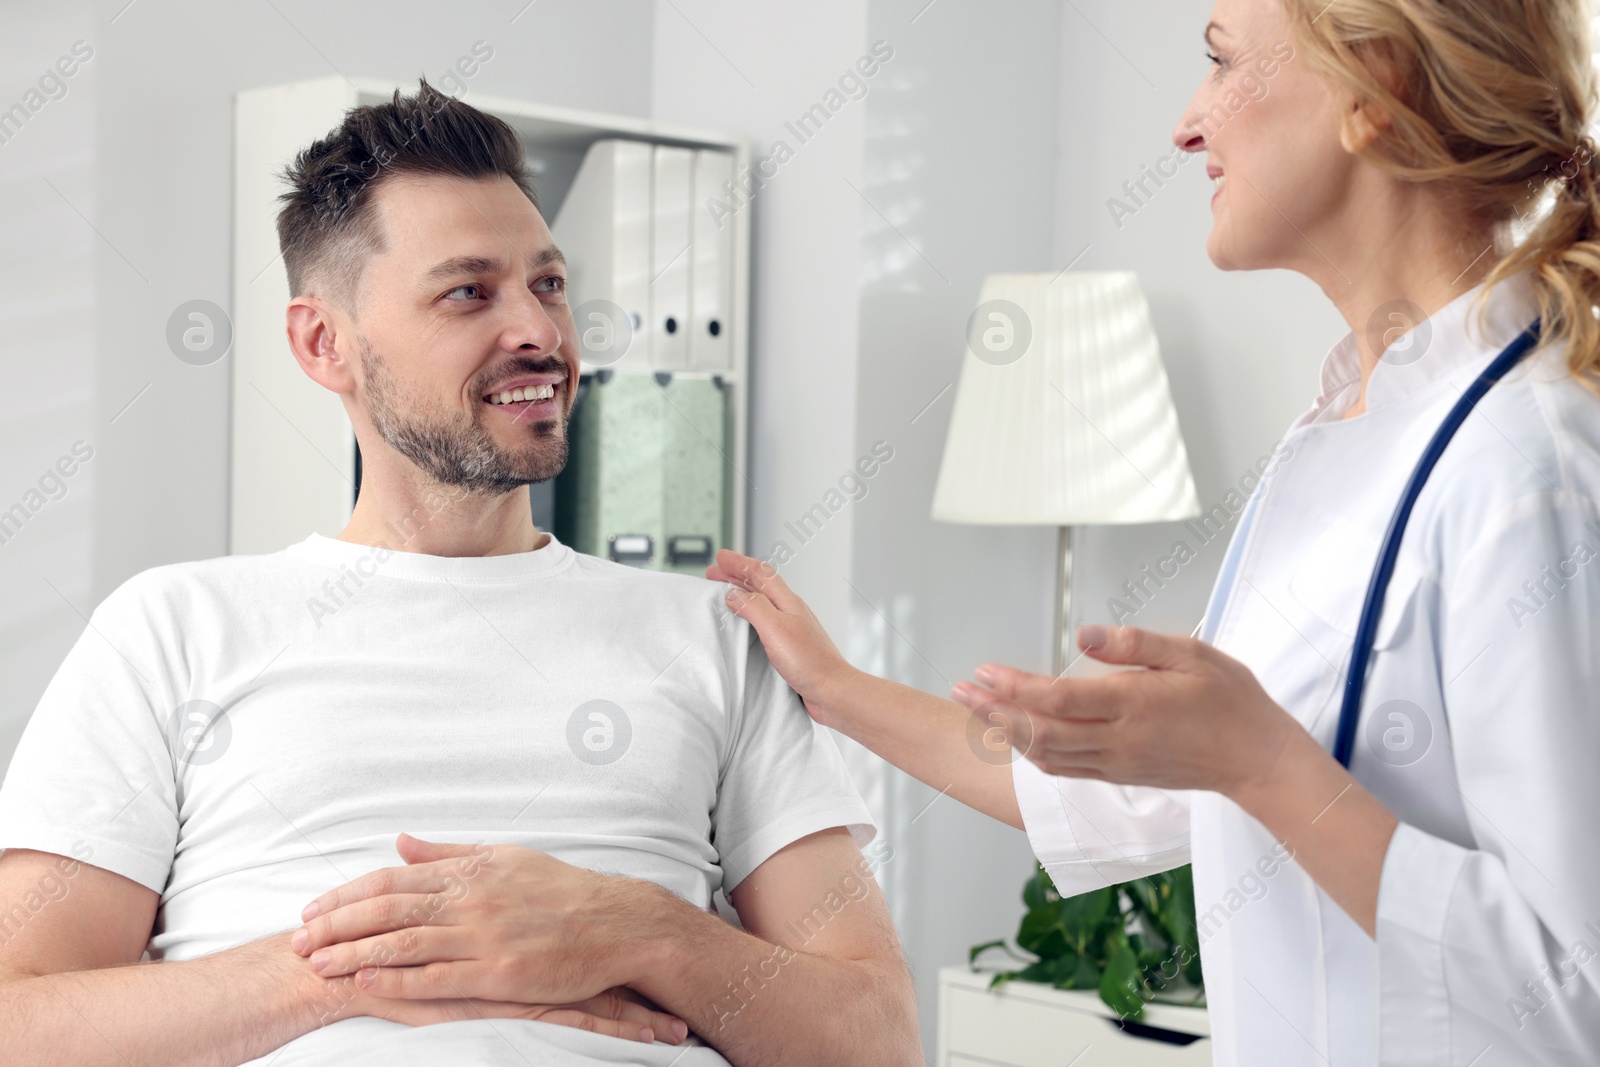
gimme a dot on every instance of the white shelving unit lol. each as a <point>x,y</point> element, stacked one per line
<point>293,450</point>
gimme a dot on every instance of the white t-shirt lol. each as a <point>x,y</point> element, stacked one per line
<point>620,720</point>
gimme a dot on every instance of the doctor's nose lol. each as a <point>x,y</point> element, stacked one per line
<point>1188,134</point>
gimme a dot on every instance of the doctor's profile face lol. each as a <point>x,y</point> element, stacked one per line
<point>1268,126</point>
<point>464,310</point>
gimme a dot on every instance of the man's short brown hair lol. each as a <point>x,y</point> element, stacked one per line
<point>328,227</point>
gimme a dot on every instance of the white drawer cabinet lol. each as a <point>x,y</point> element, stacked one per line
<point>1024,1024</point>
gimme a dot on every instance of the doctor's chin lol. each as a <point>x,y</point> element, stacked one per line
<point>682,534</point>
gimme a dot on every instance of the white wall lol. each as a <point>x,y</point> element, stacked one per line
<point>47,379</point>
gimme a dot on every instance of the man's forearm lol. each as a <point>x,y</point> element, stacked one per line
<point>761,1004</point>
<point>215,1011</point>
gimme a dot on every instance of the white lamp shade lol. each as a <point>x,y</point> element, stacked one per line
<point>1063,414</point>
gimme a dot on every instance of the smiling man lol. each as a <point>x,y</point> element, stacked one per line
<point>227,774</point>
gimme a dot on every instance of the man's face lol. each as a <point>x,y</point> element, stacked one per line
<point>468,303</point>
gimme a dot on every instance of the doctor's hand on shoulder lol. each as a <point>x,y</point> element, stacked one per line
<point>795,642</point>
<point>1192,718</point>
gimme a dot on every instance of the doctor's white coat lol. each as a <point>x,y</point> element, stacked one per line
<point>1480,725</point>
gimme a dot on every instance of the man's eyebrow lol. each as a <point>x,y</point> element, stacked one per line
<point>1214,25</point>
<point>458,265</point>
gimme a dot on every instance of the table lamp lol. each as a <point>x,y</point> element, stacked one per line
<point>1063,417</point>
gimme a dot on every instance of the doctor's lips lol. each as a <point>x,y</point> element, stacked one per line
<point>1215,174</point>
<point>530,397</point>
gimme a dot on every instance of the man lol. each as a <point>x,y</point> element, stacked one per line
<point>586,752</point>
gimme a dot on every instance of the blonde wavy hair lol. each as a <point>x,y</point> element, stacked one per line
<point>1492,99</point>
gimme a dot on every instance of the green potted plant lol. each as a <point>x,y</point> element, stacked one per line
<point>1135,942</point>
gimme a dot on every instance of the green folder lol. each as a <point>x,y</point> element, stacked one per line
<point>648,479</point>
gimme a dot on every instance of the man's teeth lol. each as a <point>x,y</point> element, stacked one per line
<point>532,392</point>
<point>1219,179</point>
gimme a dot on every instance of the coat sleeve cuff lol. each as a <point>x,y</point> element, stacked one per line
<point>1044,815</point>
<point>1419,876</point>
<point>1090,834</point>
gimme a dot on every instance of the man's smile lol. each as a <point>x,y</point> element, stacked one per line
<point>530,401</point>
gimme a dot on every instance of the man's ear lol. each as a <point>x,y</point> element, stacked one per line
<point>1363,122</point>
<point>313,329</point>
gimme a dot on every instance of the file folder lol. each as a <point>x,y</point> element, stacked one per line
<point>609,497</point>
<point>711,279</point>
<point>695,448</point>
<point>671,257</point>
<point>649,472</point>
<point>604,228</point>
<point>649,478</point>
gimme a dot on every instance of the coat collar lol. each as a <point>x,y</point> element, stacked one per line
<point>1448,340</point>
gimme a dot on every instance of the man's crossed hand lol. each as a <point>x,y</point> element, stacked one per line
<point>480,931</point>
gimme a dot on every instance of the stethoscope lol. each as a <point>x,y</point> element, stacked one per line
<point>1372,608</point>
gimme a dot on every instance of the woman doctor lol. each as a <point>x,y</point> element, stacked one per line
<point>1443,901</point>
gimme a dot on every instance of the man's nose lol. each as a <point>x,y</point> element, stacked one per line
<point>534,326</point>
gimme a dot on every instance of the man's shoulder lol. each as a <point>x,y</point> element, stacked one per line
<point>668,589</point>
<point>185,583</point>
<point>687,608</point>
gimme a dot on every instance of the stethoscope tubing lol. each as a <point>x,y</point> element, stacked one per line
<point>1383,570</point>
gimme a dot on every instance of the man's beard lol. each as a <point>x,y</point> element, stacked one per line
<point>460,452</point>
